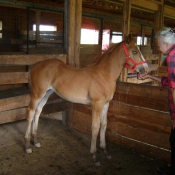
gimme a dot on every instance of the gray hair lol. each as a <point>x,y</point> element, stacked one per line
<point>167,35</point>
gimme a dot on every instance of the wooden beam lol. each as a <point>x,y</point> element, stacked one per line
<point>13,78</point>
<point>151,5</point>
<point>14,102</point>
<point>28,59</point>
<point>169,12</point>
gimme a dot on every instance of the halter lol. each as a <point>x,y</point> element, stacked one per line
<point>128,58</point>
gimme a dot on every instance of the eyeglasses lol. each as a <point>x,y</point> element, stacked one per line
<point>172,31</point>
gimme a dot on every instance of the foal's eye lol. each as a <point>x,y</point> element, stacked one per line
<point>134,52</point>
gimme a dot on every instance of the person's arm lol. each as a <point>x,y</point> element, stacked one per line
<point>145,76</point>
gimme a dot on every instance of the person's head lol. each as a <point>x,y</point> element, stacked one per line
<point>165,39</point>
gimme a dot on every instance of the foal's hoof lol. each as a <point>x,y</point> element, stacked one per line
<point>38,145</point>
<point>29,151</point>
<point>97,163</point>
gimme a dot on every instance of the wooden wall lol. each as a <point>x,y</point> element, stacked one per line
<point>13,102</point>
<point>138,119</point>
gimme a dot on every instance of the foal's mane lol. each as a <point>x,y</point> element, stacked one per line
<point>99,58</point>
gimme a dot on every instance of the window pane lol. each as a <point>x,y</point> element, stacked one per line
<point>0,29</point>
<point>116,37</point>
<point>89,36</point>
<point>45,28</point>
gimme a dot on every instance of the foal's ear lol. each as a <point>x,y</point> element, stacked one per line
<point>128,38</point>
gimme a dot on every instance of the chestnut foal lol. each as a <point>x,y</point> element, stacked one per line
<point>94,85</point>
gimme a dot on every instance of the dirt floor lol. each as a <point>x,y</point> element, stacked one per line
<point>64,151</point>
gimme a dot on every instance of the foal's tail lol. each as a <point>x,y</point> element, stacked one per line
<point>29,80</point>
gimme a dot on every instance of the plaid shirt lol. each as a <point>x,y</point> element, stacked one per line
<point>170,80</point>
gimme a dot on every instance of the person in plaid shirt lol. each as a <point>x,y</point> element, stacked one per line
<point>165,40</point>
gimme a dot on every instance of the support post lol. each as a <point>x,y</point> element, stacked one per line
<point>27,14</point>
<point>65,26</point>
<point>126,30</point>
<point>74,30</point>
<point>74,34</point>
<point>38,19</point>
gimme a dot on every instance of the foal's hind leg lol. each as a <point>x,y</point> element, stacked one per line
<point>103,130</point>
<point>39,108</point>
<point>30,115</point>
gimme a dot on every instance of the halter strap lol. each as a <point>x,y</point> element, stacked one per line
<point>128,58</point>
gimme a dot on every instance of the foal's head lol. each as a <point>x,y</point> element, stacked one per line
<point>134,58</point>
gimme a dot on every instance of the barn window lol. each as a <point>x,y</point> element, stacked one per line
<point>45,28</point>
<point>116,37</point>
<point>0,29</point>
<point>139,40</point>
<point>89,36</point>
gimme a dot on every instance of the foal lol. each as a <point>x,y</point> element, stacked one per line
<point>94,85</point>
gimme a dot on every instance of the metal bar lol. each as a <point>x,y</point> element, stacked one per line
<point>65,27</point>
<point>27,30</point>
<point>131,75</point>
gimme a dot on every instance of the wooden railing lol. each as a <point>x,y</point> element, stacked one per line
<point>138,119</point>
<point>14,101</point>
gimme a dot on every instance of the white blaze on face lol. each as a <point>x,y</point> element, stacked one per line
<point>145,65</point>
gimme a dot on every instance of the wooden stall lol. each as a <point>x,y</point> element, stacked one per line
<point>138,119</point>
<point>14,100</point>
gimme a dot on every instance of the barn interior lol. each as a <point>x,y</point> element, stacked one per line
<point>76,32</point>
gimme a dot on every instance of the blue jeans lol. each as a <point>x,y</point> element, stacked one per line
<point>172,143</point>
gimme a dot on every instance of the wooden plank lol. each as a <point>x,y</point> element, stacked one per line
<point>153,67</point>
<point>50,41</point>
<point>169,11</point>
<point>14,102</point>
<point>146,136</point>
<point>13,78</point>
<point>159,120</point>
<point>138,147</point>
<point>150,103</point>
<point>20,113</point>
<point>162,71</point>
<point>54,107</point>
<point>47,50</point>
<point>141,90</point>
<point>151,57</point>
<point>145,4</point>
<point>28,59</point>
<point>13,115</point>
<point>90,49</point>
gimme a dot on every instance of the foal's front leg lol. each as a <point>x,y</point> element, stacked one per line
<point>96,113</point>
<point>103,130</point>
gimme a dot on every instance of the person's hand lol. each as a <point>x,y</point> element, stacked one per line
<point>143,76</point>
<point>173,123</point>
